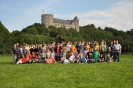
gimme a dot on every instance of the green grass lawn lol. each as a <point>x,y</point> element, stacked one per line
<point>96,75</point>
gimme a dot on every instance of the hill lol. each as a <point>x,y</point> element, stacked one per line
<point>38,33</point>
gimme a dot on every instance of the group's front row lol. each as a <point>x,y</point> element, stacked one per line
<point>66,58</point>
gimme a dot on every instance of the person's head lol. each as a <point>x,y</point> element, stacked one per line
<point>111,43</point>
<point>105,42</point>
<point>28,52</point>
<point>116,41</point>
<point>108,55</point>
<point>52,51</point>
<point>43,51</point>
<point>95,49</point>
<point>23,55</point>
<point>48,50</point>
<point>71,54</point>
<point>109,48</point>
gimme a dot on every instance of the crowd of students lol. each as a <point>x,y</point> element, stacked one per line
<point>77,52</point>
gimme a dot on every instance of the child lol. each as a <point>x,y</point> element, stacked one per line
<point>108,58</point>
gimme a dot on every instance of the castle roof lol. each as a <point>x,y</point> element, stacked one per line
<point>75,18</point>
<point>56,20</point>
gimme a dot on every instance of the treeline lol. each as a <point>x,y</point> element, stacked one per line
<point>38,33</point>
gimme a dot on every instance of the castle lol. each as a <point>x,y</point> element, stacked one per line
<point>48,20</point>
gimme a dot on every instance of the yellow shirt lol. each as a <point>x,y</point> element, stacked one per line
<point>97,47</point>
<point>87,47</point>
<point>27,48</point>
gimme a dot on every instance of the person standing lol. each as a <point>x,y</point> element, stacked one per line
<point>116,51</point>
<point>61,38</point>
<point>14,52</point>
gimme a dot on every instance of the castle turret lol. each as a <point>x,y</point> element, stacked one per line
<point>47,19</point>
<point>76,23</point>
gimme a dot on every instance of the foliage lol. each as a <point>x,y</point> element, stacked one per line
<point>38,33</point>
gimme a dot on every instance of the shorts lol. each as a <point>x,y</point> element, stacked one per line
<point>14,56</point>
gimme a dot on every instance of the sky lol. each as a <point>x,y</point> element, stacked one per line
<point>18,14</point>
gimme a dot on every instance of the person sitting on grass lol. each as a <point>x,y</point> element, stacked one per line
<point>90,55</point>
<point>50,60</point>
<point>28,55</point>
<point>82,58</point>
<point>102,55</point>
<point>96,55</point>
<point>63,56</point>
<point>71,58</point>
<point>108,58</point>
<point>42,56</point>
<point>23,60</point>
<point>66,61</point>
<point>76,56</point>
<point>34,57</point>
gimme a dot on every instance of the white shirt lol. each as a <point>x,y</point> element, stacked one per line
<point>72,57</point>
<point>116,46</point>
<point>68,48</point>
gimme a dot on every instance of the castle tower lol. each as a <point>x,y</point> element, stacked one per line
<point>47,19</point>
<point>76,23</point>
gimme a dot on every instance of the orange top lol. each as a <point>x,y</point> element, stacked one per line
<point>50,61</point>
<point>72,49</point>
<point>29,56</point>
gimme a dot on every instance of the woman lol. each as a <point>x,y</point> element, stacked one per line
<point>50,60</point>
<point>23,60</point>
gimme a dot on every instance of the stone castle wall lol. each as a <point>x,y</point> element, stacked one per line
<point>48,19</point>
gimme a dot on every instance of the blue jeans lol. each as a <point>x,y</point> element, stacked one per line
<point>116,56</point>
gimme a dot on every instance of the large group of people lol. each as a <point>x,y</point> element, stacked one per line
<point>66,52</point>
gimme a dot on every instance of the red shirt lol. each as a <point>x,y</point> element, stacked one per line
<point>24,60</point>
<point>29,56</point>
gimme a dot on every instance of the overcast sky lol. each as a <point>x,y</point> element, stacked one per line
<point>18,14</point>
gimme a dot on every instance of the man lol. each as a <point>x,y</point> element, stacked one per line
<point>61,38</point>
<point>116,51</point>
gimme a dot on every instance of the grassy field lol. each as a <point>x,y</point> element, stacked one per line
<point>96,75</point>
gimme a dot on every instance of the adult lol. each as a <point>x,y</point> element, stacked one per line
<point>14,52</point>
<point>23,60</point>
<point>50,60</point>
<point>116,51</point>
<point>61,38</point>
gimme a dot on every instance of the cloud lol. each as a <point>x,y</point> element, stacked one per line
<point>119,16</point>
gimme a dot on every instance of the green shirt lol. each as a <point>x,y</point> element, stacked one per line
<point>96,55</point>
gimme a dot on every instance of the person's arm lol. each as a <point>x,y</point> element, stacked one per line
<point>99,55</point>
<point>12,51</point>
<point>120,48</point>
